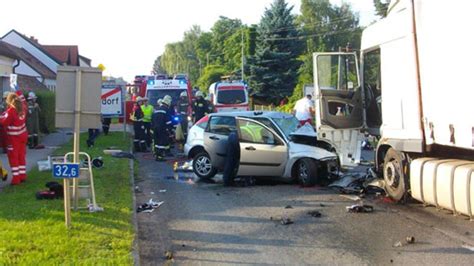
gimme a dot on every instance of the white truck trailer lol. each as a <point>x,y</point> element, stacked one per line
<point>414,90</point>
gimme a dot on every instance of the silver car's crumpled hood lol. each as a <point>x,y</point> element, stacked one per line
<point>302,150</point>
<point>305,130</point>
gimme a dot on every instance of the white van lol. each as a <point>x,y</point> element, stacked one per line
<point>229,96</point>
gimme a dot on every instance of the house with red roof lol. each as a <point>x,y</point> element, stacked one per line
<point>41,61</point>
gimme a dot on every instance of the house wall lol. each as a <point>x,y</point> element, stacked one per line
<point>50,83</point>
<point>83,63</point>
<point>25,69</point>
<point>6,65</point>
<point>15,39</point>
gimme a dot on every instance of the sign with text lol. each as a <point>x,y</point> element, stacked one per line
<point>111,101</point>
<point>66,170</point>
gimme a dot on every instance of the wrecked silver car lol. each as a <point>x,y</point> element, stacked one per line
<point>271,145</point>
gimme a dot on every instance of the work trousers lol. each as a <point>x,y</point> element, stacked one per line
<point>161,141</point>
<point>16,152</point>
<point>139,142</point>
<point>147,133</point>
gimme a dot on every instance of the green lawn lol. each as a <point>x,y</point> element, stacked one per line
<point>33,232</point>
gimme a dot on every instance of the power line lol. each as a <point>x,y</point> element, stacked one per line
<point>301,37</point>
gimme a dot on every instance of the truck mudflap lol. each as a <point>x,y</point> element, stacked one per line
<point>444,183</point>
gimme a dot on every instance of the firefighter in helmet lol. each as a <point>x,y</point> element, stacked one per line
<point>200,107</point>
<point>139,142</point>
<point>32,120</point>
<point>161,124</point>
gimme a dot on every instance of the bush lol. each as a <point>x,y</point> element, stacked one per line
<point>47,103</point>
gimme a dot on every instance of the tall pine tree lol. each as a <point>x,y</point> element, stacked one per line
<point>274,68</point>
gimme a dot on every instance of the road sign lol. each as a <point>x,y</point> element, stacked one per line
<point>66,170</point>
<point>111,101</point>
<point>78,97</point>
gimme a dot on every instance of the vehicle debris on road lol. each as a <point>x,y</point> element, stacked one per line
<point>410,240</point>
<point>169,255</point>
<point>150,206</point>
<point>315,214</point>
<point>356,208</point>
<point>286,221</point>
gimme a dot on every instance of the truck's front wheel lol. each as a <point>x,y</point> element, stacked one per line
<point>395,174</point>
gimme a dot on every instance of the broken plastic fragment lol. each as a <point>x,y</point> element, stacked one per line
<point>286,221</point>
<point>360,208</point>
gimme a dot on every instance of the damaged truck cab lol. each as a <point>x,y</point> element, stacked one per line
<point>411,92</point>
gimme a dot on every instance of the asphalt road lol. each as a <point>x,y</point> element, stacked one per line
<point>207,223</point>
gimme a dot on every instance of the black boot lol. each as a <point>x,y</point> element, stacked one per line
<point>35,141</point>
<point>136,145</point>
<point>30,142</point>
<point>143,146</point>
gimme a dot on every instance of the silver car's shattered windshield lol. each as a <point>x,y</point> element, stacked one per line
<point>287,124</point>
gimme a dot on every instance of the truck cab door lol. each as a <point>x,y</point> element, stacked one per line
<point>338,104</point>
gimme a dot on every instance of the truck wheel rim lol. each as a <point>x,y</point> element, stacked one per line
<point>203,165</point>
<point>392,174</point>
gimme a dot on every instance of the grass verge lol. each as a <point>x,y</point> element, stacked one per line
<point>32,232</point>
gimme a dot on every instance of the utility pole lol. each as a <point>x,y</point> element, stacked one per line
<point>242,51</point>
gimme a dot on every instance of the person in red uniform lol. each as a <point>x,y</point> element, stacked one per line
<point>13,120</point>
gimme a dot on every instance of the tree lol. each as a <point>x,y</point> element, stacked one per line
<point>157,69</point>
<point>274,66</point>
<point>223,29</point>
<point>211,74</point>
<point>325,28</point>
<point>381,7</point>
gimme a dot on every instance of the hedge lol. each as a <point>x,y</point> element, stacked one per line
<point>47,103</point>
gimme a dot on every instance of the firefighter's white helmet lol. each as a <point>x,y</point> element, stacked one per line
<point>167,101</point>
<point>31,95</point>
<point>199,94</point>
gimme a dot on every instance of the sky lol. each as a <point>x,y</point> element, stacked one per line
<point>126,36</point>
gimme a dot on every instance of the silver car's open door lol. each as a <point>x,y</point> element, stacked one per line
<point>338,104</point>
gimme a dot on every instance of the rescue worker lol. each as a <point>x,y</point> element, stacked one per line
<point>210,106</point>
<point>3,108</point>
<point>147,110</point>
<point>171,113</point>
<point>161,123</point>
<point>13,119</point>
<point>139,142</point>
<point>200,108</point>
<point>232,158</point>
<point>182,107</point>
<point>32,120</point>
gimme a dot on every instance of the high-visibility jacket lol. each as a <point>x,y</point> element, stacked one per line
<point>14,125</point>
<point>147,113</point>
<point>137,114</point>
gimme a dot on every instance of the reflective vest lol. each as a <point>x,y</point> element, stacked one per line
<point>147,112</point>
<point>137,114</point>
<point>14,124</point>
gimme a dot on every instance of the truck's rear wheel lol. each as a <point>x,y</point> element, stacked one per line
<point>395,174</point>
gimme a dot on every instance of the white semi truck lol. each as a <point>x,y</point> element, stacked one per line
<point>412,85</point>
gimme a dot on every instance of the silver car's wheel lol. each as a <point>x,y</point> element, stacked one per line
<point>202,166</point>
<point>307,172</point>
